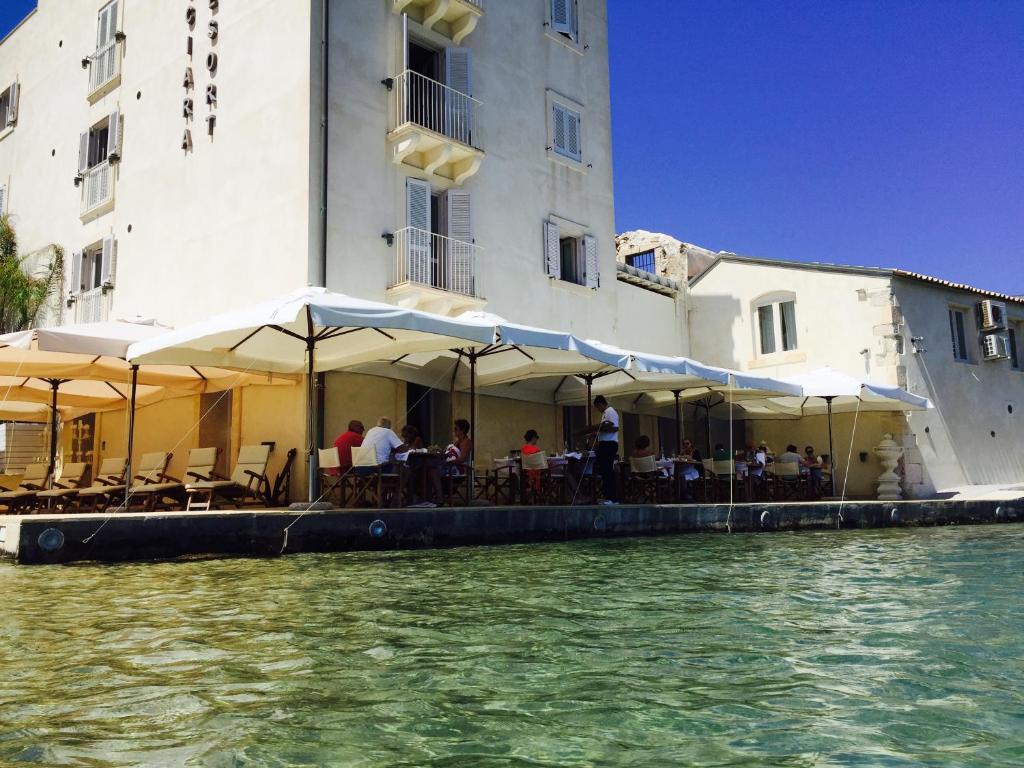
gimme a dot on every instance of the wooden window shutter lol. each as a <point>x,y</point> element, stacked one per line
<point>459,222</point>
<point>83,153</point>
<point>552,251</point>
<point>591,261</point>
<point>107,262</point>
<point>75,283</point>
<point>561,16</point>
<point>12,104</point>
<point>565,132</point>
<point>458,75</point>
<point>419,265</point>
<point>114,135</point>
<point>558,118</point>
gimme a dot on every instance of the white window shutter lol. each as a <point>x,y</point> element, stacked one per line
<point>75,282</point>
<point>558,119</point>
<point>552,251</point>
<point>114,134</point>
<point>458,75</point>
<point>83,153</point>
<point>12,104</point>
<point>561,16</point>
<point>107,262</point>
<point>591,261</point>
<point>565,132</point>
<point>572,135</point>
<point>420,241</point>
<point>459,222</point>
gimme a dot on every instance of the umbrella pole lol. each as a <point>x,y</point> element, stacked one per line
<point>831,451</point>
<point>131,433</point>
<point>590,400</point>
<point>472,426</point>
<point>54,384</point>
<point>311,414</point>
<point>679,423</point>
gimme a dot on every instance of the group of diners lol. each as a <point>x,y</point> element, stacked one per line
<point>381,467</point>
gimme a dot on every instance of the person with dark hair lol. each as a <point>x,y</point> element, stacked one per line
<point>529,448</point>
<point>607,436</point>
<point>815,467</point>
<point>460,452</point>
<point>642,447</point>
<point>791,456</point>
<point>411,437</point>
<point>346,441</point>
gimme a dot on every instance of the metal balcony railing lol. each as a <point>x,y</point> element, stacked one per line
<point>435,261</point>
<point>422,101</point>
<point>91,306</point>
<point>98,187</point>
<point>104,65</point>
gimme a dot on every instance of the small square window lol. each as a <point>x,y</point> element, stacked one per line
<point>571,256</point>
<point>645,262</point>
<point>958,335</point>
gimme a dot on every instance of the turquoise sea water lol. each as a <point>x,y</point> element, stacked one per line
<point>876,648</point>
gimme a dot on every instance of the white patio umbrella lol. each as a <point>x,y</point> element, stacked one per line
<point>308,331</point>
<point>826,391</point>
<point>83,367</point>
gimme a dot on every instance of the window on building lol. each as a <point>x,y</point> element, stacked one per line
<point>958,334</point>
<point>8,106</point>
<point>106,26</point>
<point>99,143</point>
<point>776,326</point>
<point>92,267</point>
<point>565,19</point>
<point>643,261</point>
<point>565,132</point>
<point>1014,349</point>
<point>571,255</point>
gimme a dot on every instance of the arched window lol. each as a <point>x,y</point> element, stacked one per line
<point>775,316</point>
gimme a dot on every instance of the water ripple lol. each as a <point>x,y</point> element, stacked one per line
<point>874,648</point>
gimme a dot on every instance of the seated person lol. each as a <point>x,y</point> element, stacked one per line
<point>385,444</point>
<point>814,466</point>
<point>642,447</point>
<point>529,449</point>
<point>721,453</point>
<point>690,453</point>
<point>791,457</point>
<point>411,437</point>
<point>459,454</point>
<point>353,438</point>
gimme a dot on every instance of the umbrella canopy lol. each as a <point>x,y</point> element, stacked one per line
<point>310,330</point>
<point>275,335</point>
<point>846,393</point>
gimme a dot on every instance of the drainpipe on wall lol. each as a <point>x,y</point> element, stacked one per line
<point>320,278</point>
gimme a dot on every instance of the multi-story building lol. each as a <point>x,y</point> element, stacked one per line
<point>194,156</point>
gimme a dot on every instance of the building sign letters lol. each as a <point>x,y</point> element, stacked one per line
<point>211,62</point>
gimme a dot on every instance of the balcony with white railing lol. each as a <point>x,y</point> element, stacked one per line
<point>92,306</point>
<point>97,190</point>
<point>104,70</point>
<point>434,272</point>
<point>434,128</point>
<point>455,19</point>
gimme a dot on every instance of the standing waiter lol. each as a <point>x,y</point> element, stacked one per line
<point>607,433</point>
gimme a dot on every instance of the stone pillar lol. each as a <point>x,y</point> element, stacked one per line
<point>889,453</point>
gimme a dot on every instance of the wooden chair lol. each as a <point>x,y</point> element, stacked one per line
<point>33,480</point>
<point>247,485</point>
<point>725,476</point>
<point>547,488</point>
<point>110,473</point>
<point>646,484</point>
<point>372,486</point>
<point>501,482</point>
<point>64,490</point>
<point>152,468</point>
<point>788,483</point>
<point>159,490</point>
<point>332,479</point>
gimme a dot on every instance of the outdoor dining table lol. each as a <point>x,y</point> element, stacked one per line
<point>426,471</point>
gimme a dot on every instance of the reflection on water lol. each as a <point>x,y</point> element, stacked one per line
<point>855,648</point>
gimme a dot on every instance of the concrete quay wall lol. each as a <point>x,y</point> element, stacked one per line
<point>43,539</point>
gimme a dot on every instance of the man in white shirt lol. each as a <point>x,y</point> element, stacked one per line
<point>607,434</point>
<point>384,442</point>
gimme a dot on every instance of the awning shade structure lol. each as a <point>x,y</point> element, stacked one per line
<point>827,387</point>
<point>310,330</point>
<point>275,335</point>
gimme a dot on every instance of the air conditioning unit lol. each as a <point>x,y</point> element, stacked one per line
<point>996,346</point>
<point>991,315</point>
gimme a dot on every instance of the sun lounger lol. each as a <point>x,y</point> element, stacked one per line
<point>152,468</point>
<point>33,481</point>
<point>64,490</point>
<point>110,473</point>
<point>245,486</point>
<point>167,491</point>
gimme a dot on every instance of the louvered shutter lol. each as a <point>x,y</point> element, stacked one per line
<point>591,261</point>
<point>459,222</point>
<point>572,135</point>
<point>558,118</point>
<point>458,75</point>
<point>114,135</point>
<point>3,200</point>
<point>12,104</point>
<point>75,283</point>
<point>552,252</point>
<point>561,16</point>
<point>417,218</point>
<point>107,262</point>
<point>107,26</point>
<point>83,153</point>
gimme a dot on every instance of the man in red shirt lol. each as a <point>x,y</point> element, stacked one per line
<point>346,441</point>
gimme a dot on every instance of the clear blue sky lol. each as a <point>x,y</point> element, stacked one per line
<point>878,133</point>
